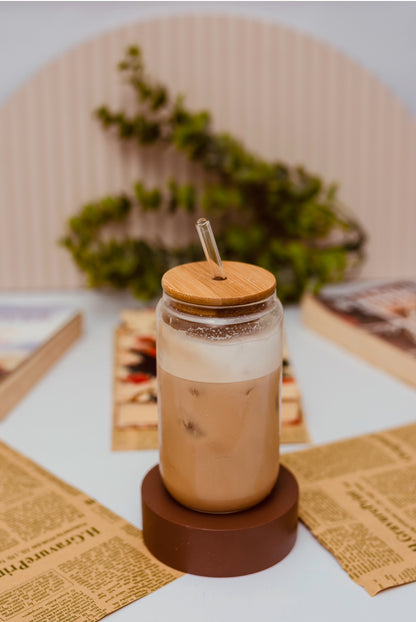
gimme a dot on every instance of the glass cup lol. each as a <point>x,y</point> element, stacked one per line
<point>219,384</point>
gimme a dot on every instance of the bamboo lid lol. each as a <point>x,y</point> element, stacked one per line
<point>193,283</point>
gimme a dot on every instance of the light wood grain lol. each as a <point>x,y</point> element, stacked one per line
<point>193,283</point>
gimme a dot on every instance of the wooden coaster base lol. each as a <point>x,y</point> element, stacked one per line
<point>220,545</point>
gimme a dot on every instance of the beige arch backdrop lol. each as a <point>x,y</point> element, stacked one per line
<point>286,95</point>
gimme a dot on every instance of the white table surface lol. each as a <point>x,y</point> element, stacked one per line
<point>64,424</point>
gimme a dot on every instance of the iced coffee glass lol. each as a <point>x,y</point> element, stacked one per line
<point>219,377</point>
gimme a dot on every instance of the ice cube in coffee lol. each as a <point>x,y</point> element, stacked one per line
<point>219,375</point>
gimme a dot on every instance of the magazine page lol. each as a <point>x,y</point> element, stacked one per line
<point>63,556</point>
<point>135,389</point>
<point>358,497</point>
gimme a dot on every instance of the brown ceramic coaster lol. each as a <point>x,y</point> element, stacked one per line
<point>220,545</point>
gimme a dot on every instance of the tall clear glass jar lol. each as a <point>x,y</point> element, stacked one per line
<point>219,382</point>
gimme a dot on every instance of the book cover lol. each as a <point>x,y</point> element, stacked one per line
<point>375,322</point>
<point>135,387</point>
<point>32,338</point>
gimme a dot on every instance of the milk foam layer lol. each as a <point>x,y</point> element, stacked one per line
<point>204,360</point>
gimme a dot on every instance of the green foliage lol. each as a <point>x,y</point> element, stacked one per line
<point>267,213</point>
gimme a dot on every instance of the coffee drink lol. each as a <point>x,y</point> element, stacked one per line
<point>219,406</point>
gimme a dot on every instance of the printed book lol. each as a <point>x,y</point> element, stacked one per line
<point>377,322</point>
<point>32,338</point>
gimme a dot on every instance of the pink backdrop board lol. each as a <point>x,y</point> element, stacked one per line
<point>286,95</point>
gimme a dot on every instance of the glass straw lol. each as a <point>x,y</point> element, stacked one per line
<point>209,245</point>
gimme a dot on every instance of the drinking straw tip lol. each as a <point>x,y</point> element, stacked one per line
<point>209,245</point>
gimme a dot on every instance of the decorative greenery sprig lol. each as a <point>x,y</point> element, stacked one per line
<point>266,213</point>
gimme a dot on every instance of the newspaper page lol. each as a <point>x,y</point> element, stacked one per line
<point>135,387</point>
<point>358,497</point>
<point>63,556</point>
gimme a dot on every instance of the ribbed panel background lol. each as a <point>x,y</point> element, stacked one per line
<point>284,94</point>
